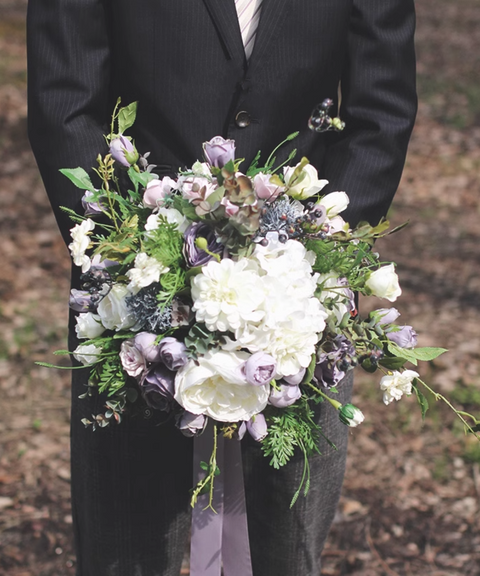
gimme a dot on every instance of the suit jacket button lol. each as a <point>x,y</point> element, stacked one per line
<point>242,119</point>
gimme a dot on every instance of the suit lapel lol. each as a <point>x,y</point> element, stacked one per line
<point>224,16</point>
<point>269,30</point>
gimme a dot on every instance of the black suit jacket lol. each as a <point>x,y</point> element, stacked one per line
<point>183,61</point>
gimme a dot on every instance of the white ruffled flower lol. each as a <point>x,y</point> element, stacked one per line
<point>227,295</point>
<point>87,354</point>
<point>146,271</point>
<point>384,283</point>
<point>214,385</point>
<point>171,215</point>
<point>113,310</point>
<point>89,326</point>
<point>306,184</point>
<point>81,241</point>
<point>396,384</point>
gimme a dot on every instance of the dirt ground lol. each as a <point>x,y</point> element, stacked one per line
<point>410,505</point>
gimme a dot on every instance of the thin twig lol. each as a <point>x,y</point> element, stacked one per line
<point>375,552</point>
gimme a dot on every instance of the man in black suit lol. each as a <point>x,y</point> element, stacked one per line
<point>185,63</point>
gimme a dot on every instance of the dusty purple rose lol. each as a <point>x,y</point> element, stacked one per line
<point>219,151</point>
<point>123,151</point>
<point>157,190</point>
<point>259,369</point>
<point>145,343</point>
<point>295,379</point>
<point>173,353</point>
<point>406,337</point>
<point>265,189</point>
<point>193,254</point>
<point>131,358</point>
<point>92,208</point>
<point>384,316</point>
<point>191,424</point>
<point>348,294</point>
<point>80,301</point>
<point>158,387</point>
<point>285,395</point>
<point>328,374</point>
<point>257,427</point>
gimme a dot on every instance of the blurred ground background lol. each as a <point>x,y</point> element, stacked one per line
<point>411,497</point>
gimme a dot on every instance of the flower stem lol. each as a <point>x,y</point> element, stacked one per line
<point>335,403</point>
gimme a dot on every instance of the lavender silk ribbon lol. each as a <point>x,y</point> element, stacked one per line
<point>220,537</point>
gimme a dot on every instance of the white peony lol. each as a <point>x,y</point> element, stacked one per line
<point>171,215</point>
<point>88,326</point>
<point>81,241</point>
<point>304,185</point>
<point>384,283</point>
<point>227,294</point>
<point>113,310</point>
<point>396,384</point>
<point>214,385</point>
<point>146,271</point>
<point>87,354</point>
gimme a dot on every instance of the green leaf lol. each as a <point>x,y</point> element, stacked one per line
<point>310,370</point>
<point>421,399</point>
<point>216,196</point>
<point>139,178</point>
<point>79,177</point>
<point>402,353</point>
<point>428,353</point>
<point>392,363</point>
<point>126,117</point>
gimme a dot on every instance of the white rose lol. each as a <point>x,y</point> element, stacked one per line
<point>306,184</point>
<point>214,385</point>
<point>384,283</point>
<point>171,215</point>
<point>81,241</point>
<point>87,354</point>
<point>146,271</point>
<point>397,384</point>
<point>334,203</point>
<point>89,326</point>
<point>113,310</point>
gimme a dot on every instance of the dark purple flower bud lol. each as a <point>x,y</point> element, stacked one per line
<point>145,343</point>
<point>158,387</point>
<point>92,208</point>
<point>405,337</point>
<point>285,395</point>
<point>257,427</point>
<point>295,379</point>
<point>328,374</point>
<point>173,353</point>
<point>384,316</point>
<point>123,151</point>
<point>259,369</point>
<point>194,255</point>
<point>80,301</point>
<point>191,424</point>
<point>219,151</point>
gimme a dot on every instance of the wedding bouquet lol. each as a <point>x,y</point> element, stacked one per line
<point>229,295</point>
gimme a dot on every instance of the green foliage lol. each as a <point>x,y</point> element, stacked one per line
<point>165,244</point>
<point>422,400</point>
<point>126,117</point>
<point>412,355</point>
<point>79,177</point>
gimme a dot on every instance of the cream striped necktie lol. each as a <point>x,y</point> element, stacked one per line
<point>248,16</point>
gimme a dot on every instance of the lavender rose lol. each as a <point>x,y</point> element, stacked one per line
<point>80,301</point>
<point>194,255</point>
<point>257,427</point>
<point>405,337</point>
<point>158,387</point>
<point>265,189</point>
<point>173,353</point>
<point>259,369</point>
<point>219,151</point>
<point>295,379</point>
<point>92,208</point>
<point>145,343</point>
<point>284,396</point>
<point>191,424</point>
<point>384,316</point>
<point>132,359</point>
<point>123,151</point>
<point>157,190</point>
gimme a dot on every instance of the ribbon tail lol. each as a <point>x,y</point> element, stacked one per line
<point>207,525</point>
<point>235,543</point>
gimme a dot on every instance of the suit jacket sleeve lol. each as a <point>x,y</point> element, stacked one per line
<point>68,71</point>
<point>378,105</point>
